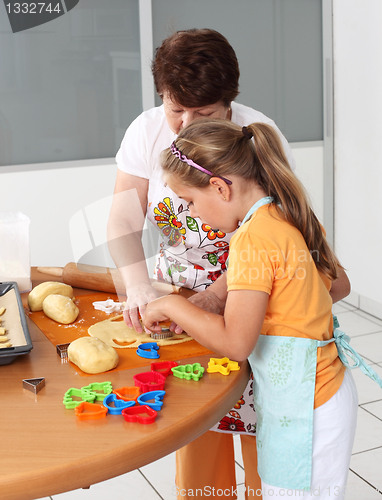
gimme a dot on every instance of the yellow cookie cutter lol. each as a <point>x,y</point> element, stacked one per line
<point>223,365</point>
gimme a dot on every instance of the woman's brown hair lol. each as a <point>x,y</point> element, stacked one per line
<point>225,149</point>
<point>197,67</point>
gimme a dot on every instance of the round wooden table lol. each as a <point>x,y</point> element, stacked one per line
<point>46,450</point>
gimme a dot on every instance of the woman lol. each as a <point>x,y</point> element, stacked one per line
<point>196,74</point>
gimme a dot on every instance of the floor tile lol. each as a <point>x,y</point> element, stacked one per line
<point>373,319</point>
<point>161,474</point>
<point>369,346</point>
<point>357,489</point>
<point>374,408</point>
<point>368,390</point>
<point>368,433</point>
<point>131,485</point>
<point>338,307</point>
<point>354,325</point>
<point>368,466</point>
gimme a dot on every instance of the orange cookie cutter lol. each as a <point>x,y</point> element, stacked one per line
<point>90,411</point>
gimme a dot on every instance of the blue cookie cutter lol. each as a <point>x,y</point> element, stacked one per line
<point>157,396</point>
<point>119,404</point>
<point>148,350</point>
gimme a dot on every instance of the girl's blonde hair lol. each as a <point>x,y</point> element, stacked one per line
<point>221,147</point>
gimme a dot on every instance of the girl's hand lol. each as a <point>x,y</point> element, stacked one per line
<point>206,300</point>
<point>155,313</point>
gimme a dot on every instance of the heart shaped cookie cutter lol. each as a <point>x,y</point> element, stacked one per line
<point>163,367</point>
<point>141,414</point>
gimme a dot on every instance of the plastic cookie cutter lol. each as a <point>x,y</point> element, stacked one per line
<point>188,372</point>
<point>115,405</point>
<point>149,381</point>
<point>148,350</point>
<point>100,389</point>
<point>222,365</point>
<point>84,397</point>
<point>127,393</point>
<point>90,411</point>
<point>108,306</point>
<point>163,367</point>
<point>141,414</point>
<point>153,399</point>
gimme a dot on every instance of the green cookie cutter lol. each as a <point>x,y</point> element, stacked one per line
<point>85,397</point>
<point>101,389</point>
<point>188,372</point>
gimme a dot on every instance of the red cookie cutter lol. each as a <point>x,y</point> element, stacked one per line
<point>141,414</point>
<point>163,367</point>
<point>149,381</point>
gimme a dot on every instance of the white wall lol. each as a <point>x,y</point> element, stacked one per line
<point>358,152</point>
<point>50,197</point>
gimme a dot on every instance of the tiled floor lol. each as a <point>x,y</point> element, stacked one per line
<point>156,481</point>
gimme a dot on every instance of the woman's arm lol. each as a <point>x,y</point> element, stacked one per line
<point>233,335</point>
<point>124,233</point>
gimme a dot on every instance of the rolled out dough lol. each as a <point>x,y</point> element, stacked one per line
<point>115,333</point>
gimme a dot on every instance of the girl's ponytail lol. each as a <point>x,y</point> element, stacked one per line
<point>278,181</point>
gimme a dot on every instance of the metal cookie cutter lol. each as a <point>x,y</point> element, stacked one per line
<point>222,365</point>
<point>166,333</point>
<point>149,381</point>
<point>115,405</point>
<point>105,389</point>
<point>163,367</point>
<point>188,372</point>
<point>148,350</point>
<point>34,384</point>
<point>153,399</point>
<point>90,411</point>
<point>108,306</point>
<point>141,414</point>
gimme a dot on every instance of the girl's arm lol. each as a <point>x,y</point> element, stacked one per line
<point>233,335</point>
<point>341,287</point>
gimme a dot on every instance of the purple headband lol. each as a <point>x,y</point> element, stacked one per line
<point>175,151</point>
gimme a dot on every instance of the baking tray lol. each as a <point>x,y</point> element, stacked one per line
<point>14,321</point>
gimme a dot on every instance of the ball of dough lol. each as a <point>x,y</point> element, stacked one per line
<point>92,355</point>
<point>60,308</point>
<point>41,291</point>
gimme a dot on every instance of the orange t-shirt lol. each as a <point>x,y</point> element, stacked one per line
<point>270,255</point>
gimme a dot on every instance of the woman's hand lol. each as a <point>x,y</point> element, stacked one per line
<point>206,300</point>
<point>137,298</point>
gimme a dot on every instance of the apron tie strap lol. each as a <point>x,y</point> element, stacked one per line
<point>345,350</point>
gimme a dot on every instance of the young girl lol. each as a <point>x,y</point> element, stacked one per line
<point>282,280</point>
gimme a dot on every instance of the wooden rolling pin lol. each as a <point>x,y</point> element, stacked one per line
<point>101,279</point>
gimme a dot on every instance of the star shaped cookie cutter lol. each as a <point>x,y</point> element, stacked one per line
<point>223,365</point>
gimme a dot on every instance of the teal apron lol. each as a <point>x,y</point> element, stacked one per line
<point>284,372</point>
